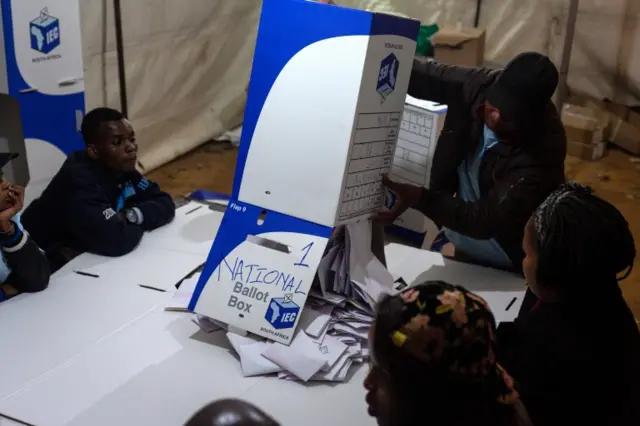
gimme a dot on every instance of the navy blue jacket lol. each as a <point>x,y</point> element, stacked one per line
<point>77,211</point>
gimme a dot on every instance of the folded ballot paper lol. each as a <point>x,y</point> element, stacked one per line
<point>332,333</point>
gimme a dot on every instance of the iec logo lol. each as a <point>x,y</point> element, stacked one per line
<point>387,76</point>
<point>45,32</point>
<point>282,312</point>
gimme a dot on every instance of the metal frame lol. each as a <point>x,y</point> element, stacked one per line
<point>122,75</point>
<point>566,53</point>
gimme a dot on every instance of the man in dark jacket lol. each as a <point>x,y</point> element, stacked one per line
<point>98,202</point>
<point>24,267</point>
<point>500,153</point>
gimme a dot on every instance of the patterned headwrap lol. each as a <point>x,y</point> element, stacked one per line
<point>452,329</point>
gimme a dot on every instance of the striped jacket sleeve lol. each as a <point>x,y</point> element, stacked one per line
<point>29,266</point>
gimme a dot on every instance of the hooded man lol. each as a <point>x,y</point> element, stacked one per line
<point>500,153</point>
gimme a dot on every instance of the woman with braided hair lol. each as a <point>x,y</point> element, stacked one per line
<point>576,352</point>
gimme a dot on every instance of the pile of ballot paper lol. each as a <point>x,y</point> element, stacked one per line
<point>332,332</point>
<point>330,338</point>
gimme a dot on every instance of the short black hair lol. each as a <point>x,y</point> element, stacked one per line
<point>95,118</point>
<point>581,240</point>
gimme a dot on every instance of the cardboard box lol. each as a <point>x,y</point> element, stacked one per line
<point>634,116</point>
<point>626,136</point>
<point>323,110</point>
<point>324,107</point>
<point>585,125</point>
<point>421,125</point>
<point>586,151</point>
<point>464,46</point>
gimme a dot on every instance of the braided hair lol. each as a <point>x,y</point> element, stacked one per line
<point>581,239</point>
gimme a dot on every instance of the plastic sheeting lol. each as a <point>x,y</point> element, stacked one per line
<point>188,61</point>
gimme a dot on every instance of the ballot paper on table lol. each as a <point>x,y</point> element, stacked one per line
<point>315,320</point>
<point>250,349</point>
<point>301,358</point>
<point>182,296</point>
<point>305,357</point>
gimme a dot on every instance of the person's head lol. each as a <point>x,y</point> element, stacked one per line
<point>5,199</point>
<point>572,240</point>
<point>520,94</point>
<point>110,139</point>
<point>230,412</point>
<point>432,350</point>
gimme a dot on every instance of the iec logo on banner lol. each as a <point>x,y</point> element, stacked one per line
<point>45,32</point>
<point>387,76</point>
<point>282,312</point>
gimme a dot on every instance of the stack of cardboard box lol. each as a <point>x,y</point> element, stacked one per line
<point>591,124</point>
<point>625,127</point>
<point>459,46</point>
<point>586,127</point>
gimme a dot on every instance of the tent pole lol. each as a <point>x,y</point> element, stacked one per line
<point>122,76</point>
<point>566,54</point>
<point>476,20</point>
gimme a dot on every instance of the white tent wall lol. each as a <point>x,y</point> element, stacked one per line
<point>188,61</point>
<point>187,67</point>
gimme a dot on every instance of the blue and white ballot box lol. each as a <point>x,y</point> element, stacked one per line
<point>325,102</point>
<point>41,88</point>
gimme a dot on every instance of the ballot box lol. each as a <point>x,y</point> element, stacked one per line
<point>323,112</point>
<point>422,123</point>
<point>325,102</point>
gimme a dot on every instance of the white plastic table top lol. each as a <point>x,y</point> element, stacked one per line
<point>158,368</point>
<point>504,292</point>
<point>162,370</point>
<point>43,331</point>
<point>416,266</point>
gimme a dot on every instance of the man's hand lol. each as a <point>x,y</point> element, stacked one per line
<point>15,200</point>
<point>407,195</point>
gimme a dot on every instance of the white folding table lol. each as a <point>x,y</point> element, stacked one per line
<point>110,354</point>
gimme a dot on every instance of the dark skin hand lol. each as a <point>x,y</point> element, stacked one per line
<point>407,195</point>
<point>11,203</point>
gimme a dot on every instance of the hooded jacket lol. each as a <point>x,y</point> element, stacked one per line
<point>78,210</point>
<point>515,176</point>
